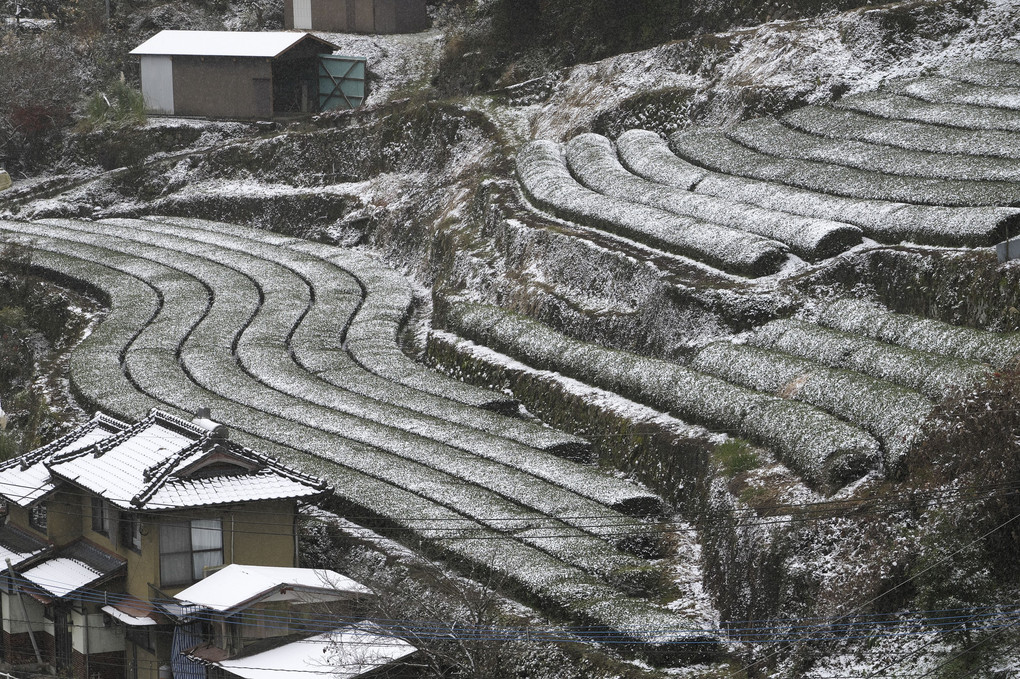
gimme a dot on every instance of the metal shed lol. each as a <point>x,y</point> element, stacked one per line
<point>356,16</point>
<point>227,74</point>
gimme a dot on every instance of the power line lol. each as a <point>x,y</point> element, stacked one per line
<point>991,619</point>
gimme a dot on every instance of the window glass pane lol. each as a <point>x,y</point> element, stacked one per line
<point>131,531</point>
<point>175,569</point>
<point>205,559</point>
<point>100,516</point>
<point>38,517</point>
<point>206,534</point>
<point>174,537</point>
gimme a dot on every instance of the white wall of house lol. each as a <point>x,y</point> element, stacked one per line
<point>158,83</point>
<point>14,617</point>
<point>101,639</point>
<point>303,14</point>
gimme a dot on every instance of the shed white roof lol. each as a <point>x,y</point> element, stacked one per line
<point>236,584</point>
<point>224,43</point>
<point>61,576</point>
<point>345,653</point>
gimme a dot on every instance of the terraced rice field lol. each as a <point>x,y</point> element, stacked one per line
<point>930,160</point>
<point>293,345</point>
<point>840,388</point>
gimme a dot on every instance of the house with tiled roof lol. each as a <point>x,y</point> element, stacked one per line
<point>106,524</point>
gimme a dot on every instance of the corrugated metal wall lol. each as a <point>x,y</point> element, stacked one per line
<point>158,83</point>
<point>303,14</point>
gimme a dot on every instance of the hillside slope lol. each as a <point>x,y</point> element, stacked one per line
<point>748,276</point>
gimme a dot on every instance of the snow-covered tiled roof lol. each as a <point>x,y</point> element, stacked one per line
<point>348,652</point>
<point>224,43</point>
<point>236,585</point>
<point>25,479</point>
<point>264,485</point>
<point>154,464</point>
<point>18,546</point>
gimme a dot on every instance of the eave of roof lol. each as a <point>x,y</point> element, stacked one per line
<point>260,44</point>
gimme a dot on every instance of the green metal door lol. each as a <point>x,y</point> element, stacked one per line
<point>341,81</point>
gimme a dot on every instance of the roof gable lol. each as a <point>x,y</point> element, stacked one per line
<point>238,586</point>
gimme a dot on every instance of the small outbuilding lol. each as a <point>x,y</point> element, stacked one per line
<point>236,74</point>
<point>356,16</point>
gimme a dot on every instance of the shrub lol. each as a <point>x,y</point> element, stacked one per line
<point>119,106</point>
<point>736,456</point>
<point>973,442</point>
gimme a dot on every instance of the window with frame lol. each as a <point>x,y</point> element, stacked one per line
<point>187,548</point>
<point>100,516</point>
<point>131,531</point>
<point>37,517</point>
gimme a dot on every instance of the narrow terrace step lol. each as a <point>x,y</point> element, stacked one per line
<point>933,375</point>
<point>647,155</point>
<point>714,151</point>
<point>941,90</point>
<point>998,350</point>
<point>891,413</point>
<point>899,107</point>
<point>837,123</point>
<point>987,72</point>
<point>771,137</point>
<point>545,178</point>
<point>593,160</point>
<point>826,451</point>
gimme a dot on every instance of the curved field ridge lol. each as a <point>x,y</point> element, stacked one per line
<point>718,152</point>
<point>647,155</point>
<point>998,350</point>
<point>546,180</point>
<point>828,452</point>
<point>893,414</point>
<point>929,160</point>
<point>593,160</point>
<point>934,375</point>
<point>211,317</point>
<point>901,107</point>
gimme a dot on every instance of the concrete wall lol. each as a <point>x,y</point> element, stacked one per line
<point>222,87</point>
